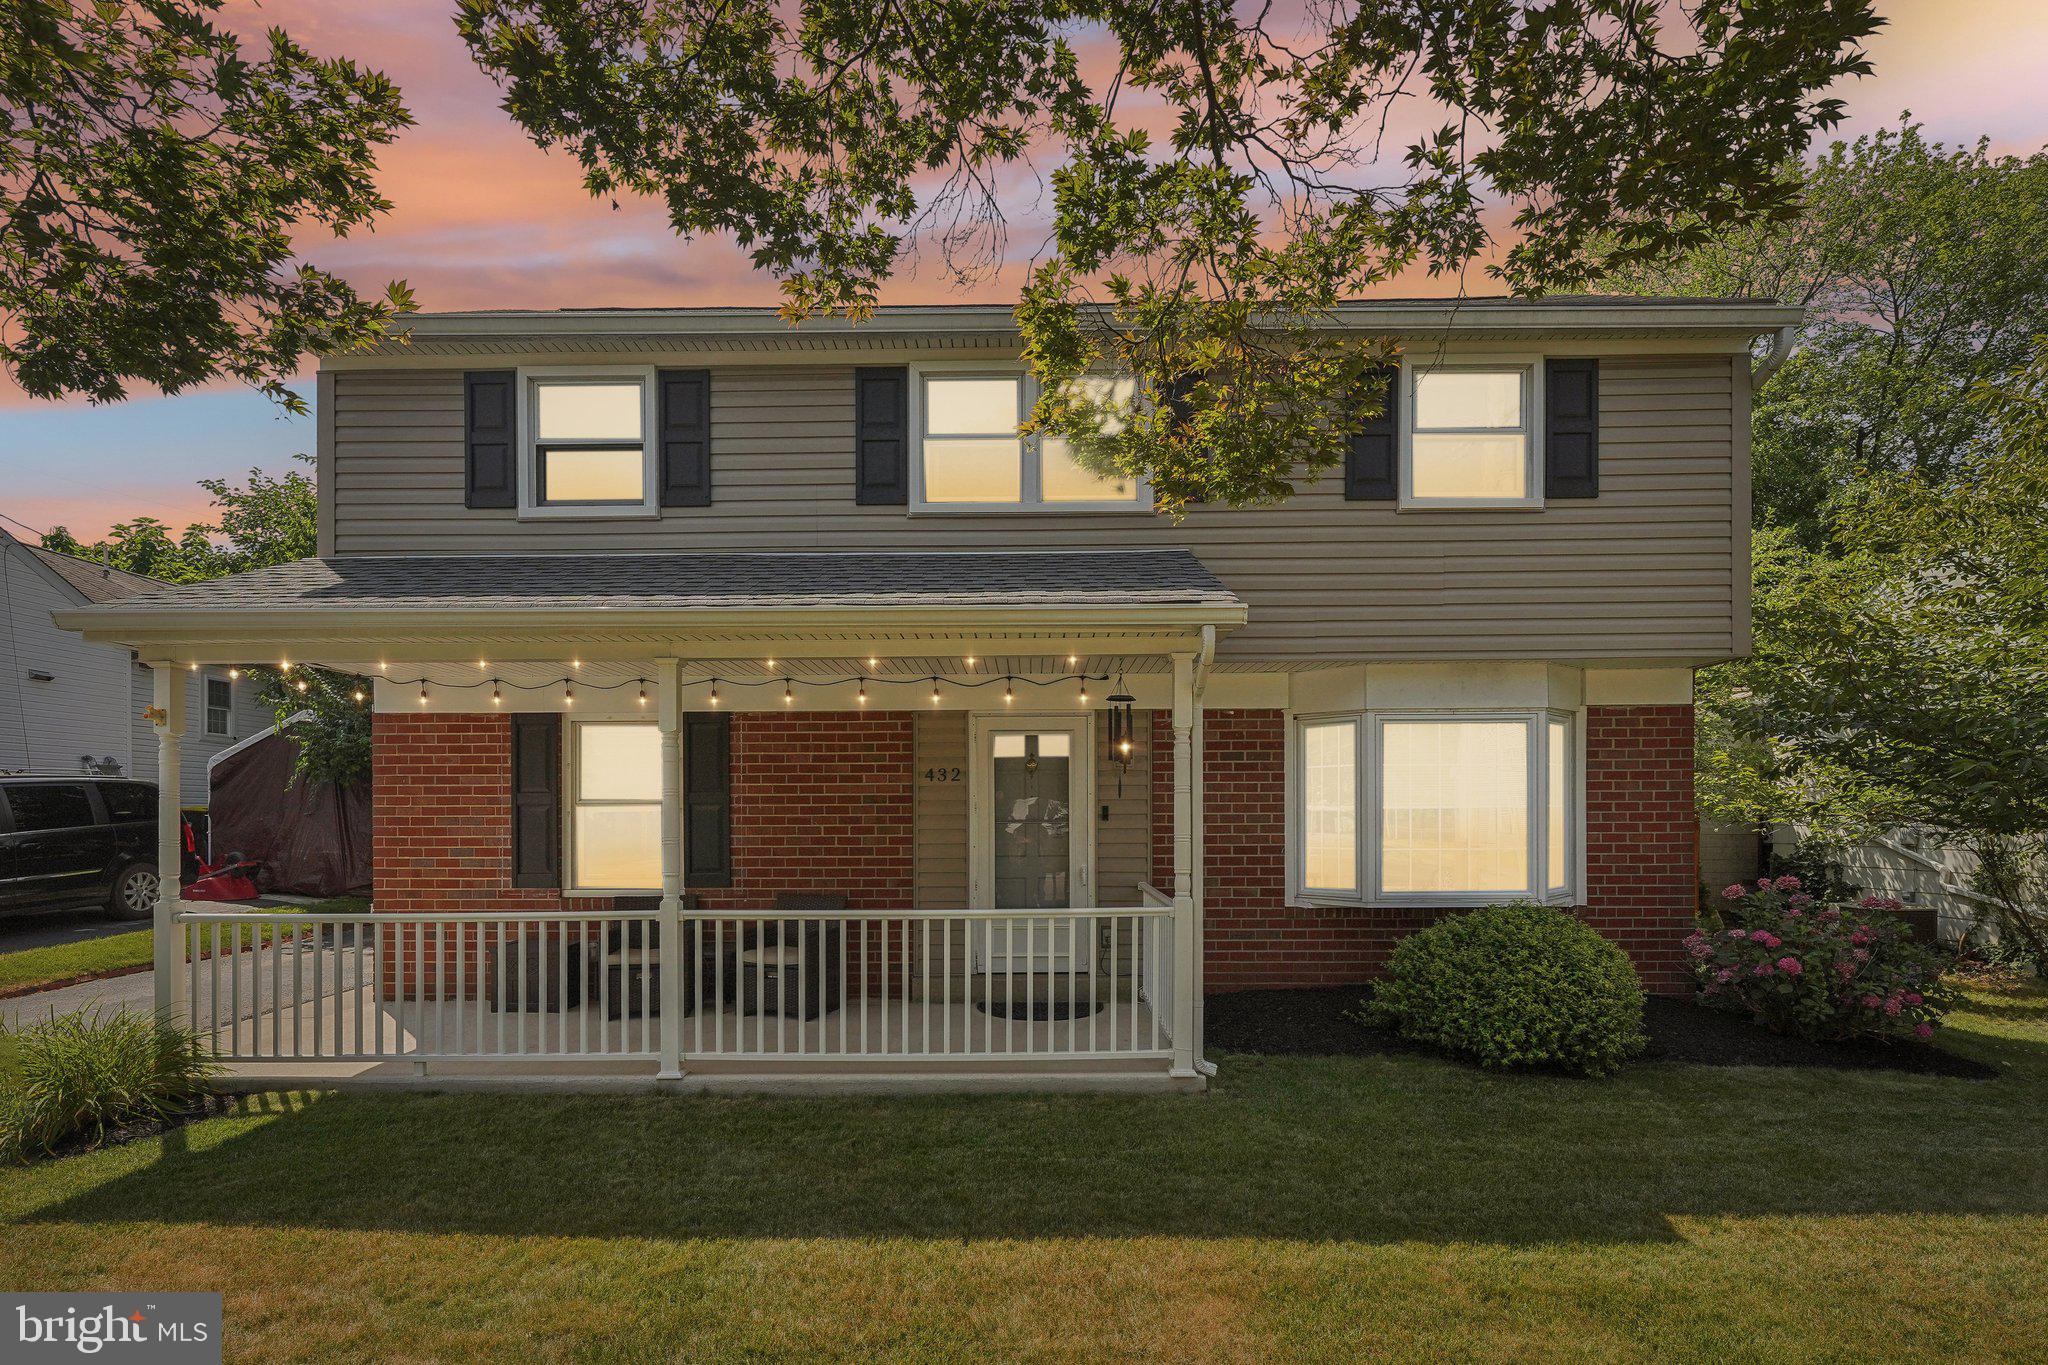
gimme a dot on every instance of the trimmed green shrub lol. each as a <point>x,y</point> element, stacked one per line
<point>1517,985</point>
<point>79,1076</point>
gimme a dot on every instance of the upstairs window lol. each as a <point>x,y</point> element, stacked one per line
<point>970,455</point>
<point>589,443</point>
<point>1470,437</point>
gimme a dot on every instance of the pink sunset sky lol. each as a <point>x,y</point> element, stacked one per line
<point>481,218</point>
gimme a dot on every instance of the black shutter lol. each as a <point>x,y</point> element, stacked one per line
<point>707,798</point>
<point>537,799</point>
<point>685,420</point>
<point>881,435</point>
<point>1571,435</point>
<point>489,424</point>
<point>1372,465</point>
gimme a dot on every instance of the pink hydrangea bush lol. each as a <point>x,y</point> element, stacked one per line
<point>1825,972</point>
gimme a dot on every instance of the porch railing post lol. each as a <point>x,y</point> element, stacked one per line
<point>672,959</point>
<point>168,947</point>
<point>1184,816</point>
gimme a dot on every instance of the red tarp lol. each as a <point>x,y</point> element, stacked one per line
<point>311,838</point>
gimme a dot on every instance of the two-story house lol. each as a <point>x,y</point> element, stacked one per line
<point>754,701</point>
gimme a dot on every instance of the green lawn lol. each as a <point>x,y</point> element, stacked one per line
<point>1389,1207</point>
<point>89,957</point>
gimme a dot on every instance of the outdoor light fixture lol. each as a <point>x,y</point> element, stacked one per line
<point>788,697</point>
<point>1123,723</point>
<point>423,694</point>
<point>714,691</point>
<point>1009,693</point>
<point>358,694</point>
<point>568,694</point>
<point>497,697</point>
<point>1084,693</point>
<point>862,695</point>
<point>234,673</point>
<point>935,691</point>
<point>643,691</point>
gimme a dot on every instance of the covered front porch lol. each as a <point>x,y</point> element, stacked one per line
<point>864,939</point>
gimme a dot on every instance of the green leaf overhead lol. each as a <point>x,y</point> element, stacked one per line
<point>152,174</point>
<point>1219,177</point>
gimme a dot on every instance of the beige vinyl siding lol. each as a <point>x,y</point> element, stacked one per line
<point>939,810</point>
<point>1123,842</point>
<point>1647,571</point>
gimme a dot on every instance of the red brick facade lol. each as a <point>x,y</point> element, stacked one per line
<point>823,802</point>
<point>1640,854</point>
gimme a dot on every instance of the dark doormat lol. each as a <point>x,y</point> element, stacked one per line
<point>1039,1010</point>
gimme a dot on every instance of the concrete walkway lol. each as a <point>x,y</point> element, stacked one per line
<point>137,990</point>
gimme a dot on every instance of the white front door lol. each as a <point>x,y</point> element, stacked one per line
<point>1030,838</point>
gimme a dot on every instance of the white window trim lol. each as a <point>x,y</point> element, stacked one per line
<point>1367,822</point>
<point>530,506</point>
<point>572,787</point>
<point>1531,367</point>
<point>227,730</point>
<point>1031,480</point>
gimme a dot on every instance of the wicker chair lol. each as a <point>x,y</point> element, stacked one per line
<point>791,967</point>
<point>632,961</point>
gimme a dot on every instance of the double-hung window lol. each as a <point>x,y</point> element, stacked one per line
<point>220,706</point>
<point>969,454</point>
<point>1422,808</point>
<point>1471,436</point>
<point>615,810</point>
<point>588,447</point>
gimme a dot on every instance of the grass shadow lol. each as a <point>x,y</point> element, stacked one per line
<point>1375,1150</point>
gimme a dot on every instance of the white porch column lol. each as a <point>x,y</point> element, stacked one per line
<point>668,696</point>
<point>1184,818</point>
<point>170,843</point>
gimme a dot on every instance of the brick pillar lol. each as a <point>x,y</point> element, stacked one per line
<point>1642,850</point>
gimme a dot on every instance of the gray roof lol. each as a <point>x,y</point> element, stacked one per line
<point>99,582</point>
<point>680,582</point>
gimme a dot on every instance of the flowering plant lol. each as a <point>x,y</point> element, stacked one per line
<point>1825,972</point>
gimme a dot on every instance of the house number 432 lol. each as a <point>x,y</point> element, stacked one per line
<point>942,774</point>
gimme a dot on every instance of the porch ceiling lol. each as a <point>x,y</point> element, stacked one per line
<point>543,607</point>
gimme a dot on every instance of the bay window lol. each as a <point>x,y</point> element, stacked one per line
<point>1470,436</point>
<point>615,810</point>
<point>969,454</point>
<point>1425,808</point>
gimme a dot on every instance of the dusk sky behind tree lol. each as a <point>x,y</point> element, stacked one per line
<point>482,219</point>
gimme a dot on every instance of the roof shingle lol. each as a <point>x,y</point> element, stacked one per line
<point>662,582</point>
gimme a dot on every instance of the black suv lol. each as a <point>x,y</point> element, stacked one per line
<point>68,841</point>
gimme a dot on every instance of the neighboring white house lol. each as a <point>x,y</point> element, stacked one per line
<point>67,706</point>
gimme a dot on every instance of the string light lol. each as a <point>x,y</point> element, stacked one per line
<point>483,663</point>
<point>283,665</point>
<point>568,694</point>
<point>423,693</point>
<point>302,684</point>
<point>1073,659</point>
<point>1009,693</point>
<point>788,697</point>
<point>873,664</point>
<point>643,691</point>
<point>383,667</point>
<point>862,695</point>
<point>970,661</point>
<point>357,694</point>
<point>935,691</point>
<point>1084,694</point>
<point>770,665</point>
<point>497,697</point>
<point>714,691</point>
<point>575,663</point>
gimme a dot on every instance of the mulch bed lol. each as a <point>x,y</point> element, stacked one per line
<point>205,1107</point>
<point>1321,1023</point>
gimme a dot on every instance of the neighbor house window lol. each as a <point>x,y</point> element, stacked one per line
<point>1470,436</point>
<point>589,442</point>
<point>615,818</point>
<point>1394,808</point>
<point>970,454</point>
<point>220,706</point>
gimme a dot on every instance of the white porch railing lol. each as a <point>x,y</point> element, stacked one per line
<point>756,989</point>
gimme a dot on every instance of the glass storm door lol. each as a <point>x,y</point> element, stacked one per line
<point>1031,841</point>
